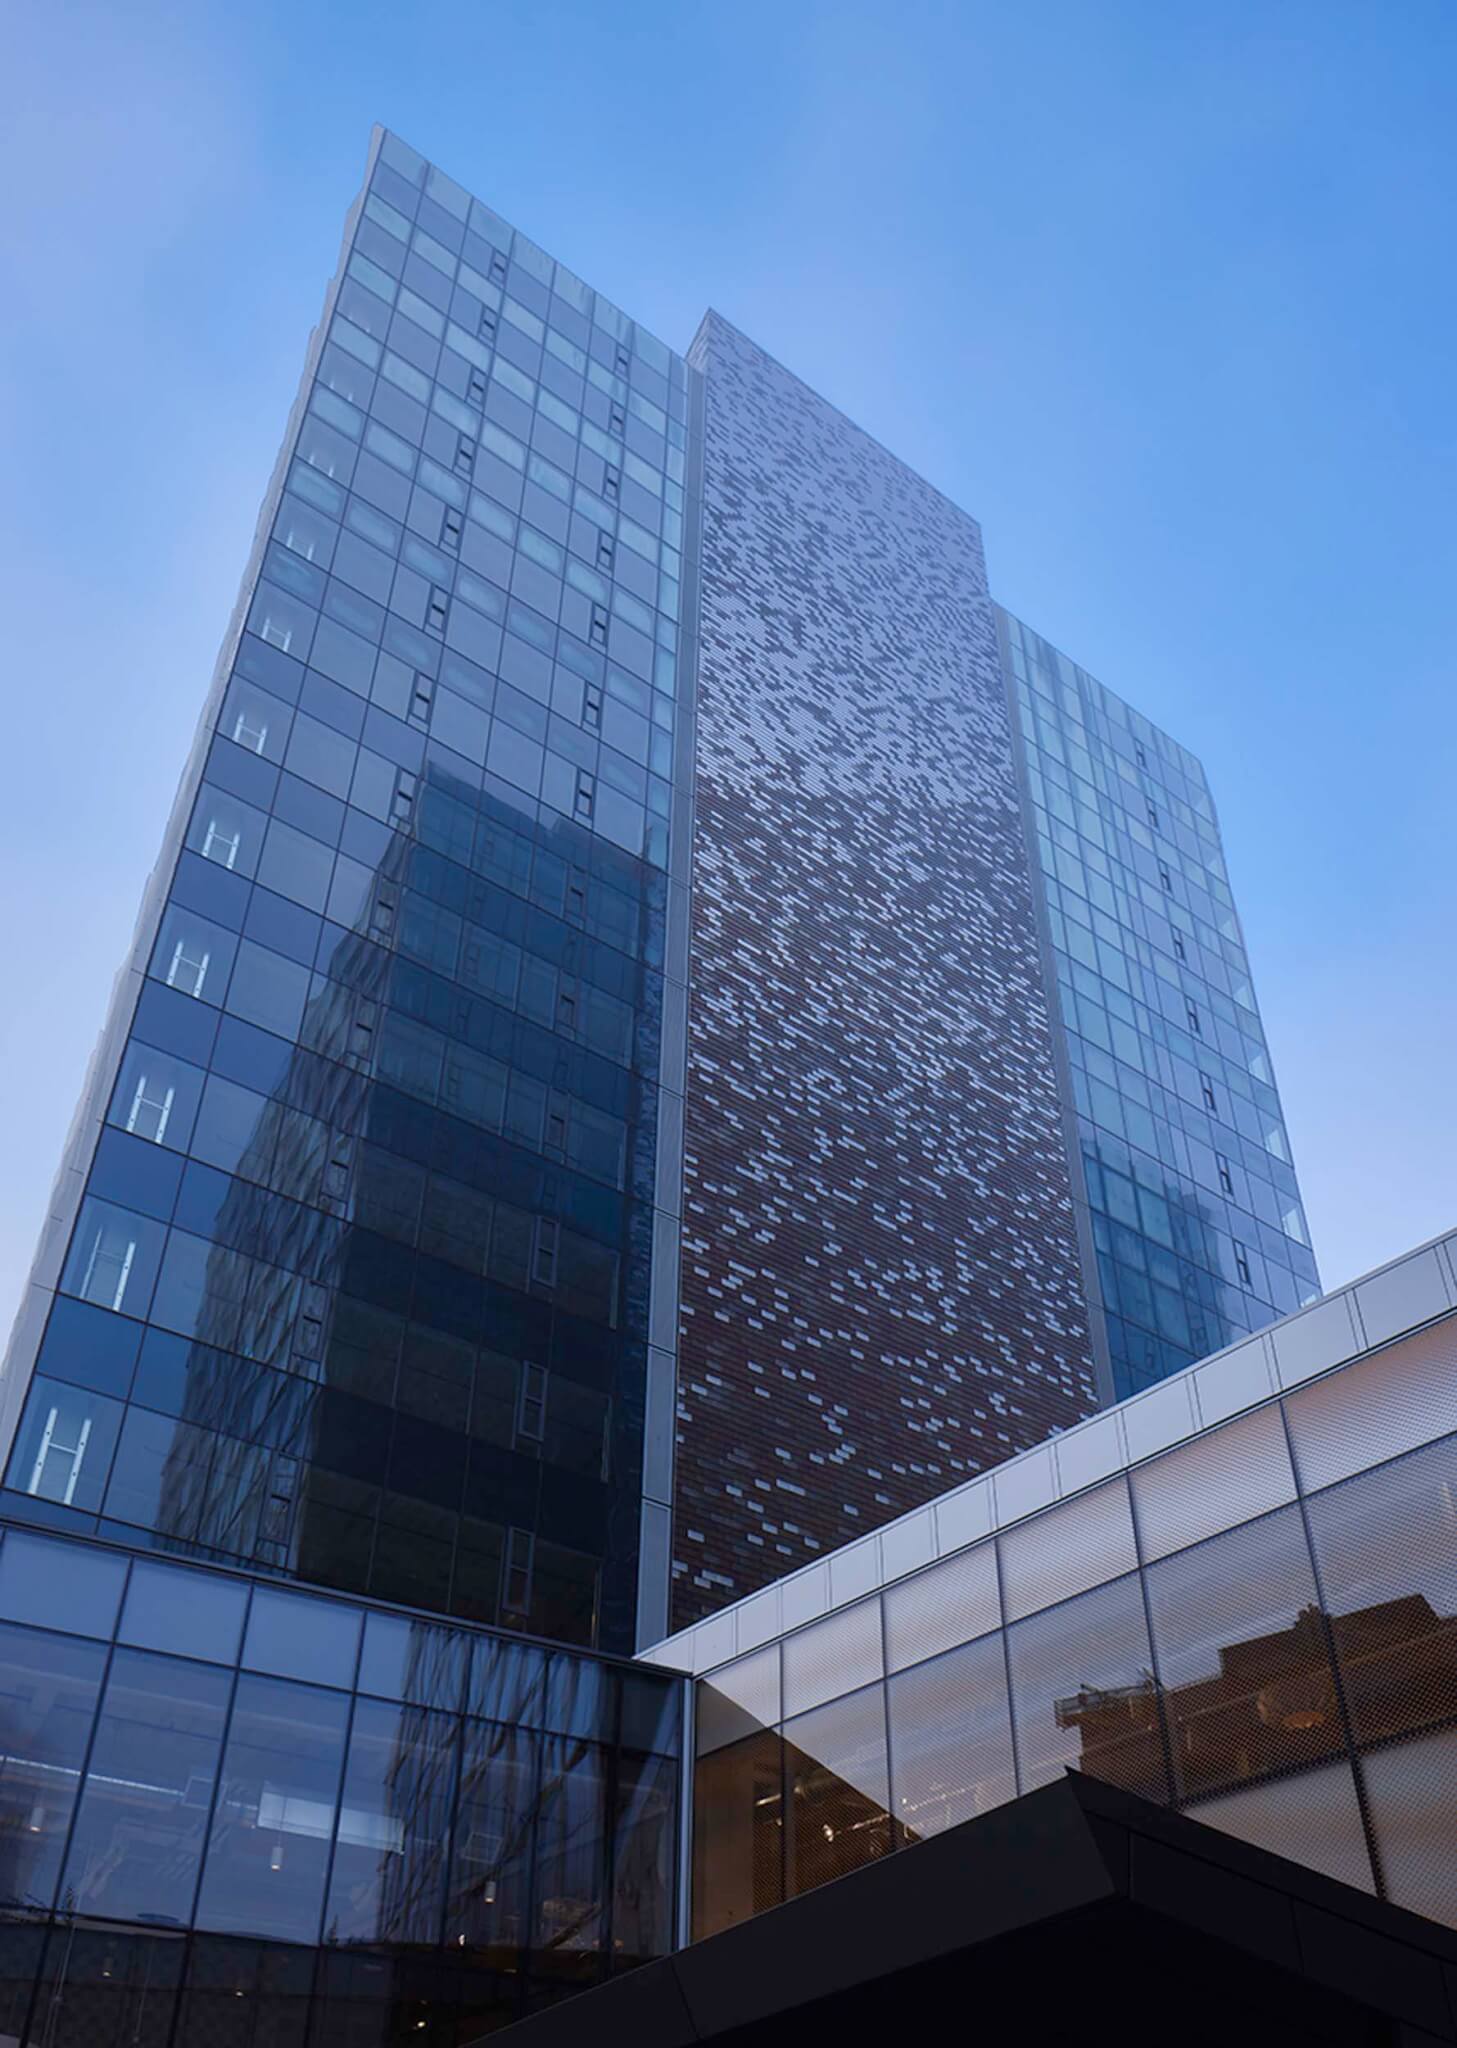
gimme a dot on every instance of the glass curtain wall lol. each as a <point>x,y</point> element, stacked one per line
<point>359,1288</point>
<point>1259,1626</point>
<point>231,1813</point>
<point>1194,1209</point>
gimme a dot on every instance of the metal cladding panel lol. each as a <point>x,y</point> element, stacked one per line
<point>880,1273</point>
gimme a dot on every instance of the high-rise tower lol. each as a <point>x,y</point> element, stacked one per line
<point>642,1058</point>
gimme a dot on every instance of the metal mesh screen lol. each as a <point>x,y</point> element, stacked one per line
<point>1387,1404</point>
<point>1411,1794</point>
<point>1067,1550</point>
<point>832,1656</point>
<point>1313,1818</point>
<point>1386,1544</point>
<point>949,1604</point>
<point>1083,1692</point>
<point>1229,1476</point>
<point>837,1788</point>
<point>1241,1650</point>
<point>950,1739</point>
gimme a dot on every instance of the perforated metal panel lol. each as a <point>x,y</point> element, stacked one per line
<point>1411,1794</point>
<point>1067,1550</point>
<point>837,1789</point>
<point>939,1608</point>
<point>1312,1818</point>
<point>1241,1654</point>
<point>1386,1546</point>
<point>1229,1476</point>
<point>951,1739</point>
<point>1386,1404</point>
<point>739,1700</point>
<point>1083,1692</point>
<point>832,1656</point>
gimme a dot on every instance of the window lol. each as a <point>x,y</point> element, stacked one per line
<point>1179,952</point>
<point>592,707</point>
<point>531,1405</point>
<point>544,1262</point>
<point>586,790</point>
<point>1226,1178</point>
<point>516,1593</point>
<point>1140,756</point>
<point>1165,877</point>
<point>465,455</point>
<point>598,630</point>
<point>64,1446</point>
<point>50,1688</point>
<point>113,1257</point>
<point>1242,1266</point>
<point>1153,816</point>
<point>452,526</point>
<point>1193,1016</point>
<point>611,483</point>
<point>250,730</point>
<point>437,612</point>
<point>605,552</point>
<point>1206,1089</point>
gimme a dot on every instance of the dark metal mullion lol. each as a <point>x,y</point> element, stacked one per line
<point>1141,1567</point>
<point>1348,1731</point>
<point>1004,1630</point>
<point>890,1812</point>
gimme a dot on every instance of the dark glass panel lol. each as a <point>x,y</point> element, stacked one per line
<point>108,1988</point>
<point>951,1739</point>
<point>388,1881</point>
<point>489,1905</point>
<point>644,1859</point>
<point>1083,1692</point>
<point>245,1994</point>
<point>738,1833</point>
<point>1386,1544</point>
<point>1248,1687</point>
<point>569,1932</point>
<point>269,1851</point>
<point>652,1712</point>
<point>137,1842</point>
<point>296,1637</point>
<point>414,1660</point>
<point>49,1687</point>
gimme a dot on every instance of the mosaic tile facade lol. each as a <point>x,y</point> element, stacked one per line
<point>881,1290</point>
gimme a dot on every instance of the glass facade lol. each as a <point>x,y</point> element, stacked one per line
<point>1194,1217</point>
<point>1259,1625</point>
<point>233,1813</point>
<point>359,1288</point>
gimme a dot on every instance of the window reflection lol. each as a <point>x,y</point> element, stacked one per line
<point>388,1881</point>
<point>269,1850</point>
<point>48,1691</point>
<point>645,1829</point>
<point>951,1739</point>
<point>491,1870</point>
<point>1083,1692</point>
<point>836,1789</point>
<point>571,1857</point>
<point>144,1807</point>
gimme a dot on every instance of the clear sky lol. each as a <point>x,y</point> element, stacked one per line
<point>1164,295</point>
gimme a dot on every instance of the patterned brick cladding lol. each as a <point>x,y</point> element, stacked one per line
<point>880,1276</point>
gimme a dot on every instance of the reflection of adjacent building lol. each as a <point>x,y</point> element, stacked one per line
<point>1274,1703</point>
<point>288,1466</point>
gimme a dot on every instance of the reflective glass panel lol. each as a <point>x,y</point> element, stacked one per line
<point>1083,1692</point>
<point>48,1691</point>
<point>837,1789</point>
<point>269,1850</point>
<point>951,1739</point>
<point>491,1868</point>
<point>388,1881</point>
<point>144,1808</point>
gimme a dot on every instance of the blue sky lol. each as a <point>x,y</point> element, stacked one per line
<point>1163,295</point>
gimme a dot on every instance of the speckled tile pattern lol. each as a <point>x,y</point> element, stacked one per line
<point>880,1275</point>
